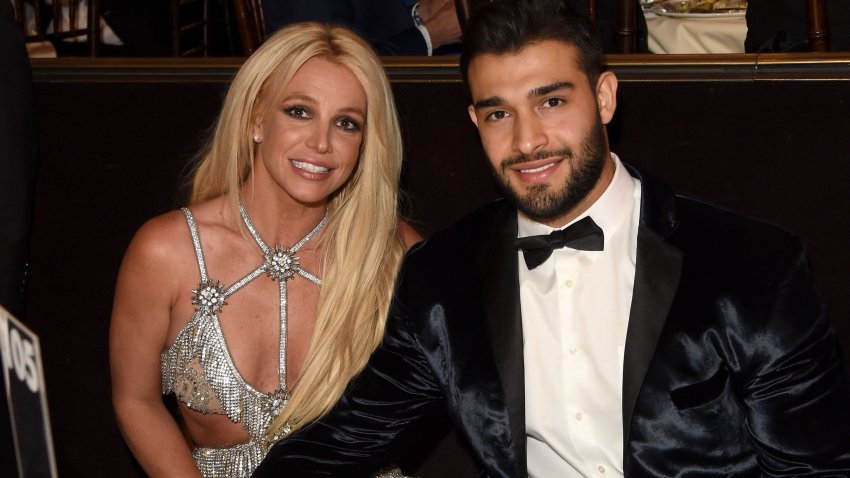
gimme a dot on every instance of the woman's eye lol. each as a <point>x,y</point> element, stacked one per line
<point>349,124</point>
<point>298,112</point>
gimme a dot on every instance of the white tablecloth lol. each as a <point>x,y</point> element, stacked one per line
<point>696,35</point>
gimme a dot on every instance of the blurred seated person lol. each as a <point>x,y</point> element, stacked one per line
<point>17,174</point>
<point>17,181</point>
<point>392,27</point>
<point>780,25</point>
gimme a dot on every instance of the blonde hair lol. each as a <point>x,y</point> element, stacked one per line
<point>361,245</point>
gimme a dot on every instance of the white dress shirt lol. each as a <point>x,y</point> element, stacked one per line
<point>575,314</point>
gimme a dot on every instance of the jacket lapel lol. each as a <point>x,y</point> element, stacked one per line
<point>657,273</point>
<point>500,296</point>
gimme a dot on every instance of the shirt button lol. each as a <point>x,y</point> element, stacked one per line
<point>573,350</point>
<point>569,283</point>
<point>578,416</point>
<point>600,469</point>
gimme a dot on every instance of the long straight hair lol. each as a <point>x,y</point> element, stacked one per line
<point>361,246</point>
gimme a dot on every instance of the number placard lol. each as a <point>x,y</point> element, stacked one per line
<point>20,358</point>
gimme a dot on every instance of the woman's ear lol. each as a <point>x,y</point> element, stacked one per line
<point>257,129</point>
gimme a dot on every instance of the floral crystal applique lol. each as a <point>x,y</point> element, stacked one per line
<point>209,297</point>
<point>194,390</point>
<point>281,264</point>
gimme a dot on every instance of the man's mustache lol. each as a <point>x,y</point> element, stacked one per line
<point>521,158</point>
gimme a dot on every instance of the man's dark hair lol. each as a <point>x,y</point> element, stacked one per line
<point>507,26</point>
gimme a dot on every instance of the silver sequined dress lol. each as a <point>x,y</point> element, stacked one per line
<point>199,369</point>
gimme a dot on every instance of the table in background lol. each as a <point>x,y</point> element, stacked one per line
<point>708,34</point>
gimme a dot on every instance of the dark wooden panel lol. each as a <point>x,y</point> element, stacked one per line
<point>116,139</point>
<point>111,156</point>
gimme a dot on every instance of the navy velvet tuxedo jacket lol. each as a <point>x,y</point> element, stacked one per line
<point>731,366</point>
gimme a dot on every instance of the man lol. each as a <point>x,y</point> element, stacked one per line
<point>667,338</point>
<point>17,180</point>
<point>392,27</point>
<point>17,161</point>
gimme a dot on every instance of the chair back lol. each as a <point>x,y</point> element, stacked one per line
<point>60,20</point>
<point>190,25</point>
<point>626,19</point>
<point>818,26</point>
<point>249,21</point>
<point>626,25</point>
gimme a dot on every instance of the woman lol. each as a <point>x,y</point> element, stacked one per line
<point>281,282</point>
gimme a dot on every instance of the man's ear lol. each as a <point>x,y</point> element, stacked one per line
<point>472,115</point>
<point>606,95</point>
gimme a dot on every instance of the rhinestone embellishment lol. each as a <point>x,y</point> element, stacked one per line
<point>209,297</point>
<point>281,264</point>
<point>280,434</point>
<point>273,402</point>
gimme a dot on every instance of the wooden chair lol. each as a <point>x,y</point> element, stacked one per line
<point>626,23</point>
<point>43,22</point>
<point>818,25</point>
<point>190,25</point>
<point>249,21</point>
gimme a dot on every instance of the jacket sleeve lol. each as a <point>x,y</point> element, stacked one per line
<point>407,42</point>
<point>794,384</point>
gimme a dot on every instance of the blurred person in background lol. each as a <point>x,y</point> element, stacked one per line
<point>17,160</point>
<point>17,181</point>
<point>393,27</point>
<point>781,25</point>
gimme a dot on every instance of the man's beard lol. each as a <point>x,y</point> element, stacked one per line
<point>543,201</point>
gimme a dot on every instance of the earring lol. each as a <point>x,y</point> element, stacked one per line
<point>257,138</point>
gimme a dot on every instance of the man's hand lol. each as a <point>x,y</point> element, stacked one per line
<point>440,19</point>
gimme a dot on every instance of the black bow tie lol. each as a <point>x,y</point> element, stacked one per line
<point>584,235</point>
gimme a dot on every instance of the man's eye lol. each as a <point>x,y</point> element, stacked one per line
<point>497,115</point>
<point>298,112</point>
<point>550,102</point>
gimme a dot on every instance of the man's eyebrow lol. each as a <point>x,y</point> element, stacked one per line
<point>534,93</point>
<point>488,102</point>
<point>545,90</point>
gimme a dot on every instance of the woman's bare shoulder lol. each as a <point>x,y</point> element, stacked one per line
<point>161,237</point>
<point>167,237</point>
<point>160,245</point>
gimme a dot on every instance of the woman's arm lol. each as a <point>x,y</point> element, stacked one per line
<point>409,235</point>
<point>138,334</point>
